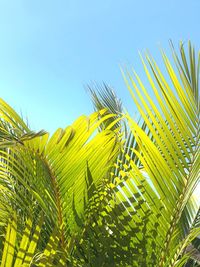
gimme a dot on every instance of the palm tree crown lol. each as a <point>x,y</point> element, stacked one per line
<point>107,190</point>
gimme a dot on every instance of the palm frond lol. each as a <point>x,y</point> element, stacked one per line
<point>42,174</point>
<point>104,97</point>
<point>171,159</point>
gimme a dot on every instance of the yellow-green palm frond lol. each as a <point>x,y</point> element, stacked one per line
<point>170,154</point>
<point>49,175</point>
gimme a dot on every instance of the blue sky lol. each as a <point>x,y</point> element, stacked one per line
<point>50,49</point>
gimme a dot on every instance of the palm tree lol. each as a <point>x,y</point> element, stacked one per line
<point>108,190</point>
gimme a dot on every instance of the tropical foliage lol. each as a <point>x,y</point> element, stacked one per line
<point>107,190</point>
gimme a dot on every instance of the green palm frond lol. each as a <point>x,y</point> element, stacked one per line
<point>23,248</point>
<point>171,159</point>
<point>38,173</point>
<point>104,97</point>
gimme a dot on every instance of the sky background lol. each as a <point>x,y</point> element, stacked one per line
<point>50,50</point>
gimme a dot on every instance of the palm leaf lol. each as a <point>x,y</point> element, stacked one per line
<point>171,159</point>
<point>104,97</point>
<point>38,173</point>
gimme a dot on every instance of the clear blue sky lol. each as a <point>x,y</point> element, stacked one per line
<point>50,49</point>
